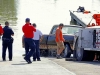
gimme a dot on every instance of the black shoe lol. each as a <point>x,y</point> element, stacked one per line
<point>27,60</point>
<point>58,57</point>
<point>34,59</point>
<point>38,60</point>
<point>10,59</point>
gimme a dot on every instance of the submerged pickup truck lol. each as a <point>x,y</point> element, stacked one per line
<point>48,45</point>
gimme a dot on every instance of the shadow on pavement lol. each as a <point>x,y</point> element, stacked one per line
<point>2,61</point>
<point>22,61</point>
<point>20,64</point>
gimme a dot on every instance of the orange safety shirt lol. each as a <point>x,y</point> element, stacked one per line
<point>60,35</point>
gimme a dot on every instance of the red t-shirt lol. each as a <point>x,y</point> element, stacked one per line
<point>28,30</point>
<point>1,30</point>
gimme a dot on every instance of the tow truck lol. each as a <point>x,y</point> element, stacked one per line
<point>87,41</point>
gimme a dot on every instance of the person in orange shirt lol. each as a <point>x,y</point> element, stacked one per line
<point>59,40</point>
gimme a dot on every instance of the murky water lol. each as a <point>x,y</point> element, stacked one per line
<point>45,13</point>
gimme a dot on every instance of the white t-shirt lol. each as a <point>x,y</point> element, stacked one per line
<point>37,34</point>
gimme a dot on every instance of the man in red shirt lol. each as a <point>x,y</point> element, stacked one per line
<point>29,43</point>
<point>1,30</point>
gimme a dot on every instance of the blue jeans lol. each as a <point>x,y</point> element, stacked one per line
<point>29,43</point>
<point>36,55</point>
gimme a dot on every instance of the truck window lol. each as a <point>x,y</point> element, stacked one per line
<point>69,30</point>
<point>53,30</point>
<point>66,30</point>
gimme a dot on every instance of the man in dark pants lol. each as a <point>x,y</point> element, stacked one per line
<point>29,43</point>
<point>37,38</point>
<point>7,41</point>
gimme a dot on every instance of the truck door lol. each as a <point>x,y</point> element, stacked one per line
<point>43,43</point>
<point>85,38</point>
<point>51,39</point>
<point>51,42</point>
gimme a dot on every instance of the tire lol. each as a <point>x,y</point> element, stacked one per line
<point>44,53</point>
<point>41,52</point>
<point>67,51</point>
<point>80,54</point>
<point>83,55</point>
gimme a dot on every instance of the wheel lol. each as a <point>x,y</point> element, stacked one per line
<point>67,51</point>
<point>41,52</point>
<point>83,55</point>
<point>44,52</point>
<point>80,54</point>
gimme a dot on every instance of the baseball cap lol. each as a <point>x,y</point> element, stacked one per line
<point>34,24</point>
<point>27,19</point>
<point>61,24</point>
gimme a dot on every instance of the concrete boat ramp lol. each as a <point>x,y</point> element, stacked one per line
<point>81,18</point>
<point>20,67</point>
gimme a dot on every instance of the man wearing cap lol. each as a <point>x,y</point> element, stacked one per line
<point>7,41</point>
<point>59,40</point>
<point>37,38</point>
<point>29,43</point>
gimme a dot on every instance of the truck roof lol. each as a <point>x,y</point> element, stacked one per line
<point>69,26</point>
<point>65,30</point>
